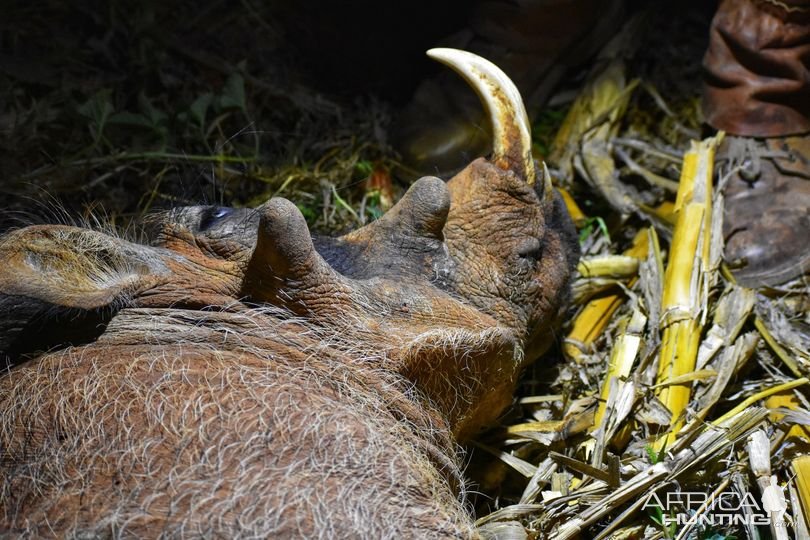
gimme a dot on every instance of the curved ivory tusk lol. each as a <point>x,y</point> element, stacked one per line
<point>512,141</point>
<point>548,188</point>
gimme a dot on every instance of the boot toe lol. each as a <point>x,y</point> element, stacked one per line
<point>766,223</point>
<point>771,250</point>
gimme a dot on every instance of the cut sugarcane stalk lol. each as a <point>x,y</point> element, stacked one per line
<point>776,348</point>
<point>622,357</point>
<point>576,213</point>
<point>616,266</point>
<point>787,400</point>
<point>801,468</point>
<point>684,292</point>
<point>779,388</point>
<point>595,316</point>
<point>759,458</point>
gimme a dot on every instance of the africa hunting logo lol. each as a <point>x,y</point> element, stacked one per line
<point>725,508</point>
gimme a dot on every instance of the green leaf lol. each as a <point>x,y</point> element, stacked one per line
<point>199,108</point>
<point>155,115</point>
<point>656,515</point>
<point>712,534</point>
<point>603,227</point>
<point>364,167</point>
<point>233,94</point>
<point>309,214</point>
<point>126,118</point>
<point>588,228</point>
<point>373,205</point>
<point>97,109</point>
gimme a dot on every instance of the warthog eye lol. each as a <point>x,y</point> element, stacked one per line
<point>211,216</point>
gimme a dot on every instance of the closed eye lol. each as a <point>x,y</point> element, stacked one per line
<point>212,215</point>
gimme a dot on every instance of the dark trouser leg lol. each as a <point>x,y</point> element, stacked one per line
<point>758,90</point>
<point>533,41</point>
<point>757,76</point>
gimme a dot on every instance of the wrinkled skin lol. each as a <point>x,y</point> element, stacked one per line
<point>239,378</point>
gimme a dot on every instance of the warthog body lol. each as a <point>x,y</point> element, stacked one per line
<point>239,378</point>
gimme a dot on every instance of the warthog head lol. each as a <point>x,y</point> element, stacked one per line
<point>439,302</point>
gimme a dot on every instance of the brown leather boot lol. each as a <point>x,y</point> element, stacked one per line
<point>534,41</point>
<point>758,90</point>
<point>767,212</point>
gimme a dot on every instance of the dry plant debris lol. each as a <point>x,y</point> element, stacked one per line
<point>679,409</point>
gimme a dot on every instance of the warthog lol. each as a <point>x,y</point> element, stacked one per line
<point>240,378</point>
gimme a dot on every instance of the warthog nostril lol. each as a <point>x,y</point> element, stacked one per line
<point>529,248</point>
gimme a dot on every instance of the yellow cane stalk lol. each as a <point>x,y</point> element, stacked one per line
<point>801,468</point>
<point>576,213</point>
<point>787,400</point>
<point>589,324</point>
<point>595,316</point>
<point>684,283</point>
<point>773,390</point>
<point>622,357</point>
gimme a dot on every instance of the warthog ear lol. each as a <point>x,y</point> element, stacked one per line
<point>56,281</point>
